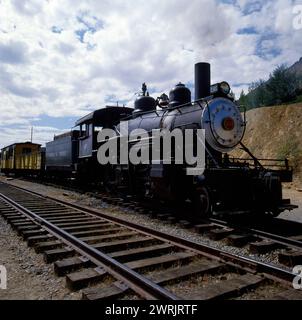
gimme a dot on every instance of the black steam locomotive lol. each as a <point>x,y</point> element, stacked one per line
<point>226,185</point>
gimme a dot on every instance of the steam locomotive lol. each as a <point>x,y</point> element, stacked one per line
<point>226,185</point>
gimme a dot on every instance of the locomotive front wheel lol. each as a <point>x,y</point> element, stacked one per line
<point>203,205</point>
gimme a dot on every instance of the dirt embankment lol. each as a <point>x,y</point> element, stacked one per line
<point>276,132</point>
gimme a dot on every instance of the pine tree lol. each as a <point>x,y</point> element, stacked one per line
<point>281,87</point>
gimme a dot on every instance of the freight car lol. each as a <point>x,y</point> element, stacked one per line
<point>22,159</point>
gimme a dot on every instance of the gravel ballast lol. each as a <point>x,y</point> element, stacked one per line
<point>28,277</point>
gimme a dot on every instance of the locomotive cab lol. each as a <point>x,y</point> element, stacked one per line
<point>89,126</point>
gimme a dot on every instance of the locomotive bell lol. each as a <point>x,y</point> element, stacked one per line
<point>179,95</point>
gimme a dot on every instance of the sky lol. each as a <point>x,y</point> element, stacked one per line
<point>59,60</point>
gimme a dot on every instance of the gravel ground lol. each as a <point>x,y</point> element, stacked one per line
<point>126,214</point>
<point>28,277</point>
<point>191,288</point>
<point>264,292</point>
<point>295,194</point>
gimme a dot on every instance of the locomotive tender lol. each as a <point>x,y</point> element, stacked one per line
<point>226,185</point>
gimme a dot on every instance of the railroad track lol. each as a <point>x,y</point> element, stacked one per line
<point>264,239</point>
<point>108,257</point>
<point>260,237</point>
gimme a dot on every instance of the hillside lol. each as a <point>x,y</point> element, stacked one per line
<point>276,132</point>
<point>296,68</point>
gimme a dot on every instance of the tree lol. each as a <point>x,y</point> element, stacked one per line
<point>261,94</point>
<point>252,101</point>
<point>242,99</point>
<point>281,86</point>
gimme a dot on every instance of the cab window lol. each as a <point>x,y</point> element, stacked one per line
<point>97,129</point>
<point>83,130</point>
<point>86,130</point>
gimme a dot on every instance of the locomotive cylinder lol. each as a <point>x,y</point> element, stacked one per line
<point>202,80</point>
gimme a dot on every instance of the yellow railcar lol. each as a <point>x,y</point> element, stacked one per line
<point>20,158</point>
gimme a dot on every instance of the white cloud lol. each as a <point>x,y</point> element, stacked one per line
<point>63,58</point>
<point>41,134</point>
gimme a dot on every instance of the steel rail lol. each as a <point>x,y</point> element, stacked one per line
<point>271,236</point>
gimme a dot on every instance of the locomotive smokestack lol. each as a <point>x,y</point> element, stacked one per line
<point>202,80</point>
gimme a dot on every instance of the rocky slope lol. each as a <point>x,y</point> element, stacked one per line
<point>276,132</point>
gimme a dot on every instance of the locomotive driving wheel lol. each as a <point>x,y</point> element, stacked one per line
<point>202,202</point>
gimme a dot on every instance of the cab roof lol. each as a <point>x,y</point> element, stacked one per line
<point>110,115</point>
